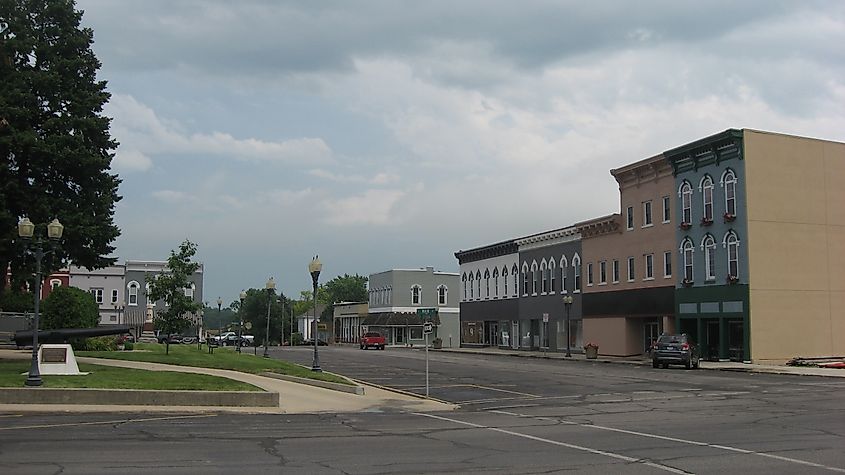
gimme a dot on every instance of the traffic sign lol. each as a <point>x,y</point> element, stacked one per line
<point>545,318</point>
<point>426,313</point>
<point>322,327</point>
<point>427,328</point>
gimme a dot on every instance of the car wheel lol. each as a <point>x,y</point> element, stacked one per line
<point>697,363</point>
<point>654,364</point>
<point>665,365</point>
<point>688,364</point>
<point>382,347</point>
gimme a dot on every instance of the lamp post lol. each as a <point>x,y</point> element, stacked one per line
<point>199,330</point>
<point>219,323</point>
<point>54,233</point>
<point>567,301</point>
<point>314,268</point>
<point>270,286</point>
<point>241,318</point>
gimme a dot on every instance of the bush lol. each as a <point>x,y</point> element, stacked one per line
<point>129,346</point>
<point>99,343</point>
<point>69,307</point>
<point>296,338</point>
<point>19,302</point>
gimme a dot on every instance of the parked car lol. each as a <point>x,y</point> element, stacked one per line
<point>310,342</point>
<point>173,338</point>
<point>372,340</point>
<point>675,349</point>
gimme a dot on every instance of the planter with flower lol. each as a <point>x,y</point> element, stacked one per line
<point>685,226</point>
<point>687,282</point>
<point>591,350</point>
<point>706,221</point>
<point>120,341</point>
<point>729,218</point>
<point>732,279</point>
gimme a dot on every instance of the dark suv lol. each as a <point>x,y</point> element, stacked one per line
<point>675,349</point>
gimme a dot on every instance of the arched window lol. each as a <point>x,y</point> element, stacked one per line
<point>416,294</point>
<point>524,279</point>
<point>687,249</point>
<point>55,283</point>
<point>707,197</point>
<point>685,192</point>
<point>563,264</point>
<point>505,279</point>
<point>708,245</point>
<point>544,272</point>
<point>731,242</point>
<point>442,295</point>
<point>729,179</point>
<point>552,271</point>
<point>515,275</point>
<point>478,282</point>
<point>496,282</point>
<point>576,266</point>
<point>133,293</point>
<point>487,282</point>
<point>534,277</point>
<point>464,280</point>
<point>471,286</point>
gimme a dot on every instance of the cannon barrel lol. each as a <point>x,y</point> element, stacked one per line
<point>61,335</point>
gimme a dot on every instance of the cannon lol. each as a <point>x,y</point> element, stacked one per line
<point>62,335</point>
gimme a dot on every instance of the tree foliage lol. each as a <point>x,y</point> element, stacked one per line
<point>55,146</point>
<point>345,288</point>
<point>69,307</point>
<point>170,286</point>
<point>254,312</point>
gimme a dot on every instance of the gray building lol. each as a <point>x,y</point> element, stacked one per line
<point>108,287</point>
<point>137,275</point>
<point>397,294</point>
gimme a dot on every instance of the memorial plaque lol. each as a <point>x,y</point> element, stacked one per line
<point>54,355</point>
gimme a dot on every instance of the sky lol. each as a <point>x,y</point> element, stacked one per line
<point>391,134</point>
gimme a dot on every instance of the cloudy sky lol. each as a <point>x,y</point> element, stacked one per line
<point>390,134</point>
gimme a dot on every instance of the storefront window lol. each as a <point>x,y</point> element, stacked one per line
<point>525,333</point>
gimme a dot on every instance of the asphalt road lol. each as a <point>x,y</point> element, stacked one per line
<point>518,415</point>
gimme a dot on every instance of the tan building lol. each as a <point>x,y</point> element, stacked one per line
<point>762,245</point>
<point>628,262</point>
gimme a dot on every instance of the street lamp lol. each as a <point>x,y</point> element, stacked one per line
<point>270,286</point>
<point>241,318</point>
<point>199,329</point>
<point>54,233</point>
<point>314,268</point>
<point>219,323</point>
<point>567,301</point>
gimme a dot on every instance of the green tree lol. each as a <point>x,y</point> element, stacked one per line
<point>170,286</point>
<point>17,301</point>
<point>254,311</point>
<point>55,146</point>
<point>70,307</point>
<point>345,288</point>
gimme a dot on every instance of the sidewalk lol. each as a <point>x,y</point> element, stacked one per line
<point>643,361</point>
<point>294,398</point>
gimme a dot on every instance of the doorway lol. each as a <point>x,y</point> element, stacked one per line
<point>651,330</point>
<point>736,340</point>
<point>710,345</point>
<point>492,334</point>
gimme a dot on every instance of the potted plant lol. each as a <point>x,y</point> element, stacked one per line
<point>687,282</point>
<point>685,226</point>
<point>705,221</point>
<point>732,279</point>
<point>591,350</point>
<point>437,343</point>
<point>729,217</point>
<point>120,341</point>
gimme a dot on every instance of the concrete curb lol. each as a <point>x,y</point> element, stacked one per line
<point>346,388</point>
<point>406,393</point>
<point>138,397</point>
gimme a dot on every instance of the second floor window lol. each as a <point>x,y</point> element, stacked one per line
<point>667,264</point>
<point>686,202</point>
<point>707,197</point>
<point>687,249</point>
<point>630,217</point>
<point>730,193</point>
<point>615,270</point>
<point>415,295</point>
<point>114,295</point>
<point>133,293</point>
<point>647,214</point>
<point>98,295</point>
<point>590,273</point>
<point>631,269</point>
<point>666,213</point>
<point>603,272</point>
<point>576,268</point>
<point>442,293</point>
<point>709,246</point>
<point>649,266</point>
<point>732,243</point>
<point>545,273</point>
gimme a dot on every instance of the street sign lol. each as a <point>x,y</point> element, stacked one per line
<point>427,328</point>
<point>427,313</point>
<point>322,327</point>
<point>545,318</point>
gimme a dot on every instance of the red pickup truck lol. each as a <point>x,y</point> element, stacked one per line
<point>372,339</point>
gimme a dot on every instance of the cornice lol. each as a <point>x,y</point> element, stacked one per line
<point>549,238</point>
<point>600,226</point>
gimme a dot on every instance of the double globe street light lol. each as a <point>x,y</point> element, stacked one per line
<point>26,229</point>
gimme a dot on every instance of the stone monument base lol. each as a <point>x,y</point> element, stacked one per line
<point>57,360</point>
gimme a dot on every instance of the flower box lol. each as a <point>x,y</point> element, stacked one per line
<point>591,350</point>
<point>729,218</point>
<point>706,221</point>
<point>732,279</point>
<point>685,226</point>
<point>687,282</point>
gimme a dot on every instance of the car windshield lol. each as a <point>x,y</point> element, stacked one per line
<point>373,334</point>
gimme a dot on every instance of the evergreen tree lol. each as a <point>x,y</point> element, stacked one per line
<point>69,307</point>
<point>170,286</point>
<point>55,146</point>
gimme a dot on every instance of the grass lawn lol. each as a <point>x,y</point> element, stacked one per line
<point>222,358</point>
<point>108,377</point>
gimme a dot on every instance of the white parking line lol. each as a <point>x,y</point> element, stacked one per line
<point>684,441</point>
<point>561,444</point>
